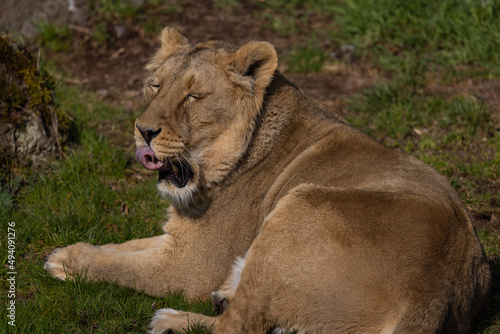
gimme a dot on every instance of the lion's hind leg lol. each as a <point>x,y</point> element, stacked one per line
<point>243,317</point>
<point>222,297</point>
<point>170,321</point>
<point>304,272</point>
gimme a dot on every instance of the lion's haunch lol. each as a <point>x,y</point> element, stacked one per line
<point>147,158</point>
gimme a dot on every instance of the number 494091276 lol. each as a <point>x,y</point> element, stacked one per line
<point>11,242</point>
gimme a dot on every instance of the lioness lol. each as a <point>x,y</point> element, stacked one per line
<point>332,231</point>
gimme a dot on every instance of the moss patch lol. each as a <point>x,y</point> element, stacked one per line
<point>24,86</point>
<point>33,128</point>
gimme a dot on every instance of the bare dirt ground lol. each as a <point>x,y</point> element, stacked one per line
<point>115,70</point>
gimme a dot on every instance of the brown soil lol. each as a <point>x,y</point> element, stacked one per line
<point>101,68</point>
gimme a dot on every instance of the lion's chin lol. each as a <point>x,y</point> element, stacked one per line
<point>179,195</point>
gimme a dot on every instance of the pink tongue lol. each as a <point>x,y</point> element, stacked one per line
<point>147,158</point>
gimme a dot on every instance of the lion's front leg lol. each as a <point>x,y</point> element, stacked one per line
<point>154,265</point>
<point>140,244</point>
<point>141,269</point>
<point>61,263</point>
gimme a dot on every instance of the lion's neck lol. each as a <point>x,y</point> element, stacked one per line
<point>289,121</point>
<point>272,120</point>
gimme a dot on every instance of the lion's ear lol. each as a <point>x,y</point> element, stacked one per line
<point>172,41</point>
<point>257,60</point>
<point>171,38</point>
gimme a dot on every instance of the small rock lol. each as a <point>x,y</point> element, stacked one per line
<point>103,93</point>
<point>120,31</point>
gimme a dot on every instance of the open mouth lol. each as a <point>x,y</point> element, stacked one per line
<point>178,172</point>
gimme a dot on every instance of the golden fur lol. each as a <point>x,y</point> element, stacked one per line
<point>336,233</point>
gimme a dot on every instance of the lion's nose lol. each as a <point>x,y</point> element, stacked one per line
<point>148,134</point>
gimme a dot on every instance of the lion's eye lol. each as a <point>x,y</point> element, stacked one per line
<point>155,85</point>
<point>193,96</point>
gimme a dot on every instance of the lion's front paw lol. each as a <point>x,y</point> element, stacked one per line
<point>61,262</point>
<point>54,264</point>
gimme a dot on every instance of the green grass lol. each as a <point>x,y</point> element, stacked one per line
<point>305,59</point>
<point>228,5</point>
<point>402,108</point>
<point>448,33</point>
<point>111,10</point>
<point>55,37</point>
<point>441,131</point>
<point>455,35</point>
<point>84,306</point>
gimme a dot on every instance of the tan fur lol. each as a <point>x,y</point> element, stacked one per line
<point>343,235</point>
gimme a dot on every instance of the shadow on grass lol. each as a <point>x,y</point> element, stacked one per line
<point>491,314</point>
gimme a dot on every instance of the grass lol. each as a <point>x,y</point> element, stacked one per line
<point>111,10</point>
<point>305,59</point>
<point>98,194</point>
<point>55,37</point>
<point>403,108</point>
<point>449,35</point>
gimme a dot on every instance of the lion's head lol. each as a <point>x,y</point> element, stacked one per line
<point>203,100</point>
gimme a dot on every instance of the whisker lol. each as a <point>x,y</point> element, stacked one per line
<point>195,157</point>
<point>181,164</point>
<point>169,161</point>
<point>193,154</point>
<point>185,162</point>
